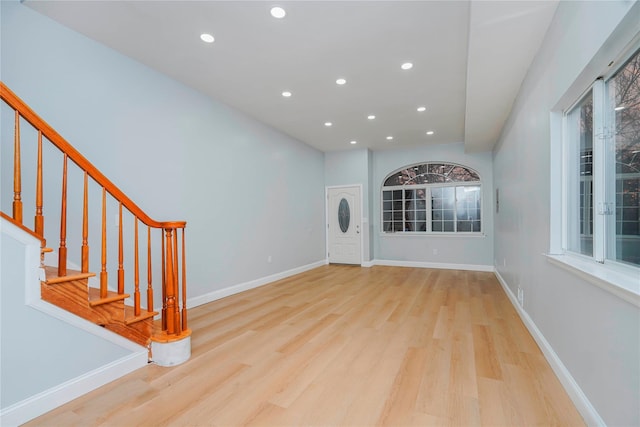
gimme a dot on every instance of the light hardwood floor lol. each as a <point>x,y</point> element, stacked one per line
<point>350,346</point>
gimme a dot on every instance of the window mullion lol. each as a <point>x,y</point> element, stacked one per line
<point>601,208</point>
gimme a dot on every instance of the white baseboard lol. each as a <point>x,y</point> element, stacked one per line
<point>577,396</point>
<point>241,287</point>
<point>34,406</point>
<point>422,264</point>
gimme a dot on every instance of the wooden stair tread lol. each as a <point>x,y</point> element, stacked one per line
<point>46,250</point>
<point>130,317</point>
<point>95,300</point>
<point>51,273</point>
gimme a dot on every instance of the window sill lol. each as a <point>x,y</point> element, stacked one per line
<point>423,234</point>
<point>624,283</point>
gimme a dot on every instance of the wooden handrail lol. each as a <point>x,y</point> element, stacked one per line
<point>30,116</point>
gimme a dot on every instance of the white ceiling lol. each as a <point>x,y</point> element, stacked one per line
<point>469,61</point>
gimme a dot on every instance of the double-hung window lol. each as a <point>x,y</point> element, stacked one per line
<point>602,164</point>
<point>432,198</point>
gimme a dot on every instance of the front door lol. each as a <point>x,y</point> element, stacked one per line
<point>344,239</point>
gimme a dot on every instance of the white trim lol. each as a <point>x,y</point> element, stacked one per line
<point>444,266</point>
<point>241,287</point>
<point>43,402</point>
<point>619,282</point>
<point>577,396</point>
<point>368,264</point>
<point>326,217</point>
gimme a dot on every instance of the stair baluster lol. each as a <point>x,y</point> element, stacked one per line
<point>104,276</point>
<point>136,271</point>
<point>85,225</point>
<point>149,278</point>
<point>62,251</point>
<point>120,253</point>
<point>38,222</point>
<point>17,172</point>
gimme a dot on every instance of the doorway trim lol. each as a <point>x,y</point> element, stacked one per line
<point>326,219</point>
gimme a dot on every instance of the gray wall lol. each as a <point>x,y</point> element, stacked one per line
<point>247,191</point>
<point>369,168</point>
<point>450,249</point>
<point>595,334</point>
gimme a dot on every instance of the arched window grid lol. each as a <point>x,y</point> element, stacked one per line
<point>432,198</point>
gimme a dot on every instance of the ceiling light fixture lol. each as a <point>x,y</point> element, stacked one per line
<point>421,108</point>
<point>389,138</point>
<point>371,117</point>
<point>341,81</point>
<point>328,124</point>
<point>622,107</point>
<point>430,132</point>
<point>286,94</point>
<point>354,142</point>
<point>407,66</point>
<point>207,38</point>
<point>278,12</point>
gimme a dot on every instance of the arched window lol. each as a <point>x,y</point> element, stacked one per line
<point>432,198</point>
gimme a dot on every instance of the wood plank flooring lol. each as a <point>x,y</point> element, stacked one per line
<point>349,346</point>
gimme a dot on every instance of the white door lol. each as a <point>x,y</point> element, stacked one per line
<point>344,239</point>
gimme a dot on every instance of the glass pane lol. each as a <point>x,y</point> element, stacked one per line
<point>421,226</point>
<point>448,226</point>
<point>624,102</point>
<point>436,226</point>
<point>386,195</point>
<point>344,215</point>
<point>580,205</point>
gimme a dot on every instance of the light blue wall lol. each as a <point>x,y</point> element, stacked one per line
<point>247,191</point>
<point>595,334</point>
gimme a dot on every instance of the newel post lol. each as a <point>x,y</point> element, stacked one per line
<point>169,302</point>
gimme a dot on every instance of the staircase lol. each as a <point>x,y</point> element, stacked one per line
<point>72,293</point>
<point>159,250</point>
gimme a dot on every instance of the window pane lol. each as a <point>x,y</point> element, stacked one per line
<point>580,191</point>
<point>468,206</point>
<point>624,108</point>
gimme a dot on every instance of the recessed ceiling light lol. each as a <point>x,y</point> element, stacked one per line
<point>371,117</point>
<point>407,66</point>
<point>327,124</point>
<point>430,132</point>
<point>422,108</point>
<point>278,12</point>
<point>286,94</point>
<point>207,38</point>
<point>354,142</point>
<point>389,138</point>
<point>341,81</point>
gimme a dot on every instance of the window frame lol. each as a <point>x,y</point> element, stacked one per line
<point>428,202</point>
<point>617,277</point>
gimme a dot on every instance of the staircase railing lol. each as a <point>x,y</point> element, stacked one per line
<point>172,233</point>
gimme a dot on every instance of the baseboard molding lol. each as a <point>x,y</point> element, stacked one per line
<point>241,287</point>
<point>444,266</point>
<point>34,406</point>
<point>577,396</point>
